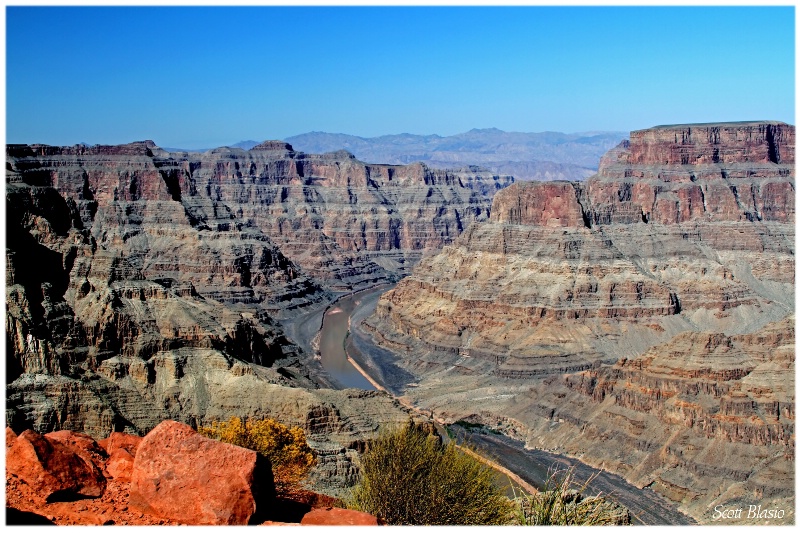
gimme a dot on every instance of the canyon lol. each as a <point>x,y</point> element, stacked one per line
<point>144,285</point>
<point>641,321</point>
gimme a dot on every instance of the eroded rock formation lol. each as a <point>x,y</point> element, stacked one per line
<point>143,285</point>
<point>642,320</point>
<point>330,214</point>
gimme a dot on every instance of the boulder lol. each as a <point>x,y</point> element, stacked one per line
<point>181,475</point>
<point>120,465</point>
<point>82,445</point>
<point>118,440</point>
<point>121,448</point>
<point>333,516</point>
<point>54,469</point>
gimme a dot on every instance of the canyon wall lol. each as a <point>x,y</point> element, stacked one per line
<point>642,320</point>
<point>347,222</point>
<point>143,285</point>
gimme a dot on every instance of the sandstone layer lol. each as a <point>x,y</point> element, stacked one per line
<point>642,320</point>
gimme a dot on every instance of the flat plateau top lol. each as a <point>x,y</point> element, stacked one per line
<point>714,124</point>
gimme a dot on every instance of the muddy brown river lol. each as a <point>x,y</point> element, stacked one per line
<point>335,327</point>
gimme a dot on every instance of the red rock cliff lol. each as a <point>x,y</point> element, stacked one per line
<point>539,204</point>
<point>669,175</point>
<point>697,172</point>
<point>702,144</point>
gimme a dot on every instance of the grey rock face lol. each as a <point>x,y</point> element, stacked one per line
<point>144,285</point>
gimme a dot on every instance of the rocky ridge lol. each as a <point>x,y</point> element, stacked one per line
<point>651,304</point>
<point>348,222</point>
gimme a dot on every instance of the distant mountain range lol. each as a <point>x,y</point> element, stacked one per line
<point>526,156</point>
<point>244,145</point>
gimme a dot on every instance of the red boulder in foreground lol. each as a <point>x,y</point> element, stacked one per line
<point>82,445</point>
<point>179,474</point>
<point>124,441</point>
<point>121,448</point>
<point>120,465</point>
<point>333,516</point>
<point>54,469</point>
<point>10,438</point>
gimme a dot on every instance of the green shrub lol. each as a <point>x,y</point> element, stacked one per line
<point>472,426</point>
<point>409,477</point>
<point>286,447</point>
<point>561,503</point>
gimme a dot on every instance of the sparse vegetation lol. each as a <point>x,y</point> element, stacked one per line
<point>473,426</point>
<point>561,502</point>
<point>286,447</point>
<point>408,477</point>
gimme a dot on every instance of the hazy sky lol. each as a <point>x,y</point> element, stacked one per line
<point>202,77</point>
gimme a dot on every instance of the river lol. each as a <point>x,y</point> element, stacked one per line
<point>533,466</point>
<point>335,327</point>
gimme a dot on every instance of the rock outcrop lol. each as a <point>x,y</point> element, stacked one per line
<point>612,316</point>
<point>702,172</point>
<point>55,468</point>
<point>180,477</point>
<point>482,180</point>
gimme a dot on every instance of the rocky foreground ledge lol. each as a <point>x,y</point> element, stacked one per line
<point>171,476</point>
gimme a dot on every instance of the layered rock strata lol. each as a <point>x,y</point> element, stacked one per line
<point>653,303</point>
<point>331,214</point>
<point>143,285</point>
<point>482,180</point>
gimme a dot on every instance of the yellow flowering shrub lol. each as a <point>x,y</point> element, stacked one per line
<point>286,447</point>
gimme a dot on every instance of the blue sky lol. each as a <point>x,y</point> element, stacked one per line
<point>208,76</point>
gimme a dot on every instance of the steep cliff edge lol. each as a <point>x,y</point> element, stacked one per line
<point>703,172</point>
<point>610,317</point>
<point>349,223</point>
